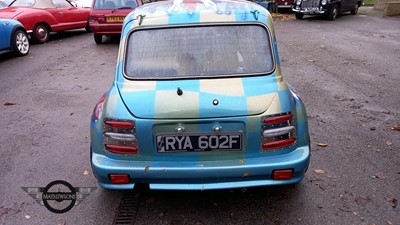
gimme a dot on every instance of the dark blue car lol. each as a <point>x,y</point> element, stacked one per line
<point>13,37</point>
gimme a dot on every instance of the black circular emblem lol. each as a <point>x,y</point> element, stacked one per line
<point>59,196</point>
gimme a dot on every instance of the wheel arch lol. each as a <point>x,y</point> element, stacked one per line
<point>46,24</point>
<point>15,29</point>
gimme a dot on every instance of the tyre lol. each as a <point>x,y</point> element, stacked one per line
<point>333,13</point>
<point>354,10</point>
<point>20,43</point>
<point>299,16</point>
<point>98,38</point>
<point>87,28</point>
<point>41,33</point>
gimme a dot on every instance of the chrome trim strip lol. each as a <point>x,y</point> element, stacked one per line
<point>278,131</point>
<point>120,137</point>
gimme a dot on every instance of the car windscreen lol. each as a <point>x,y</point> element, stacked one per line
<point>23,3</point>
<point>198,51</point>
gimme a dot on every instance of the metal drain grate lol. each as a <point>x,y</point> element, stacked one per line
<point>127,208</point>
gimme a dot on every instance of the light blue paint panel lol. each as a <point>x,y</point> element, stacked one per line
<point>190,17</point>
<point>260,85</point>
<point>207,109</point>
<point>145,101</point>
<point>286,99</point>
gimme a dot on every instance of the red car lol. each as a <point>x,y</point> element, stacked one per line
<point>106,16</point>
<point>40,17</point>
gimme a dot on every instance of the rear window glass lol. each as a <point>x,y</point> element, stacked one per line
<point>115,4</point>
<point>181,52</point>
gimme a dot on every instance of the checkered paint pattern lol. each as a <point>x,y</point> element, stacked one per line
<point>243,93</point>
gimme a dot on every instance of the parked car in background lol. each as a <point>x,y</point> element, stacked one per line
<point>273,6</point>
<point>13,37</point>
<point>330,9</point>
<point>282,4</point>
<point>40,17</point>
<point>106,16</point>
<point>199,102</point>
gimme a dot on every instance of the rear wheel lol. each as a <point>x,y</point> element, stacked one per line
<point>354,10</point>
<point>333,13</point>
<point>41,33</point>
<point>20,43</point>
<point>299,16</point>
<point>98,38</point>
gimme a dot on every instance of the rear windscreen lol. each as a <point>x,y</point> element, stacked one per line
<point>180,52</point>
<point>115,4</point>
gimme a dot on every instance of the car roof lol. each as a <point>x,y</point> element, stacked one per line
<point>197,11</point>
<point>43,4</point>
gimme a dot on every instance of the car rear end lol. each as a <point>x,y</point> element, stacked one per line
<point>106,16</point>
<point>198,106</point>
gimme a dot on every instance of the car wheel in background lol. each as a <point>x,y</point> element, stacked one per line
<point>333,13</point>
<point>98,38</point>
<point>299,16</point>
<point>20,43</point>
<point>41,33</point>
<point>354,10</point>
<point>87,28</point>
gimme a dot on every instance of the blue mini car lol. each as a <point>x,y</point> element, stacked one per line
<point>13,37</point>
<point>199,102</point>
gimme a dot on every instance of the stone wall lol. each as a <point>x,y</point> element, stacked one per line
<point>380,4</point>
<point>390,7</point>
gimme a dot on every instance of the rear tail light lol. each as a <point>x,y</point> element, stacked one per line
<point>278,131</point>
<point>119,178</point>
<point>120,136</point>
<point>278,119</point>
<point>119,124</point>
<point>98,108</point>
<point>97,18</point>
<point>92,19</point>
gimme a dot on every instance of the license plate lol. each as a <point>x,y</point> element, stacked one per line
<point>115,19</point>
<point>195,142</point>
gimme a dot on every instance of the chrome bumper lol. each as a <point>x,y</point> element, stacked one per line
<point>309,11</point>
